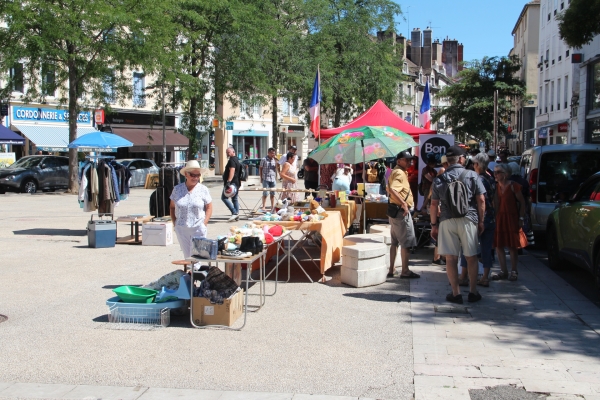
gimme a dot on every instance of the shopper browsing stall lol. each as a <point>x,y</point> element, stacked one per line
<point>191,207</point>
<point>288,174</point>
<point>231,180</point>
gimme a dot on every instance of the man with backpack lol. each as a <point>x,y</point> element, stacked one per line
<point>460,195</point>
<point>231,180</point>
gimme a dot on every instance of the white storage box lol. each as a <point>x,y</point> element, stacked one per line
<point>157,234</point>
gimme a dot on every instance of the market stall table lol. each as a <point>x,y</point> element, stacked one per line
<point>134,221</point>
<point>374,210</point>
<point>254,210</point>
<point>347,210</point>
<point>332,231</point>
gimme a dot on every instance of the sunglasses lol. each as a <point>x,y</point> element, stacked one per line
<point>194,175</point>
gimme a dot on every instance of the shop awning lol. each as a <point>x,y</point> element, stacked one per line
<point>249,132</point>
<point>150,140</point>
<point>9,137</point>
<point>548,125</point>
<point>50,137</point>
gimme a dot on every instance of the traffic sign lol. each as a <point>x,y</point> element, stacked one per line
<point>229,125</point>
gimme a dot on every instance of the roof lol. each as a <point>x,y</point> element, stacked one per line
<point>378,115</point>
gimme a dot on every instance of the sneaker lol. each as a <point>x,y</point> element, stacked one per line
<point>234,217</point>
<point>454,299</point>
<point>439,261</point>
<point>235,254</point>
<point>473,297</point>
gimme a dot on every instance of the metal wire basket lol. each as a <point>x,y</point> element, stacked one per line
<point>120,317</point>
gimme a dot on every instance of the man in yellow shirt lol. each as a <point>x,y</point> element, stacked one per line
<point>401,225</point>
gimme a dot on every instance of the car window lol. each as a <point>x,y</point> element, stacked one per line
<point>63,162</point>
<point>135,164</point>
<point>51,162</point>
<point>145,164</point>
<point>561,173</point>
<point>587,192</point>
<point>26,162</point>
<point>525,164</point>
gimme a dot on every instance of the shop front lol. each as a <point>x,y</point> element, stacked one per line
<point>145,131</point>
<point>46,129</point>
<point>250,143</point>
<point>553,133</point>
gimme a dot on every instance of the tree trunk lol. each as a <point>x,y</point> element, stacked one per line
<point>73,167</point>
<point>193,128</point>
<point>337,116</point>
<point>274,123</point>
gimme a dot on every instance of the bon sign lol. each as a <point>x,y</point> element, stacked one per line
<point>435,145</point>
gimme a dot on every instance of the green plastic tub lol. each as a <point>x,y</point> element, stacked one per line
<point>134,294</point>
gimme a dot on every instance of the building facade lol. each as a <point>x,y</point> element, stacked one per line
<point>526,44</point>
<point>586,92</point>
<point>555,121</point>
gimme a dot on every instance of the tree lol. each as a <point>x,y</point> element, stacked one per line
<point>471,98</point>
<point>357,68</point>
<point>579,24</point>
<point>87,44</point>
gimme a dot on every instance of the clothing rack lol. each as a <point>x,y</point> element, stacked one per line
<point>96,158</point>
<point>162,188</point>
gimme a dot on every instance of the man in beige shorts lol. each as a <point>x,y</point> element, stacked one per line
<point>456,234</point>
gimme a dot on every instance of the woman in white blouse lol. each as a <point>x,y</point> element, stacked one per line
<point>191,207</point>
<point>342,178</point>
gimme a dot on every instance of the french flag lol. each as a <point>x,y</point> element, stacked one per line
<point>315,107</point>
<point>424,114</point>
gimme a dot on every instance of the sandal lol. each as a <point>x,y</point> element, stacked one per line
<point>463,282</point>
<point>411,275</point>
<point>483,282</point>
<point>513,276</point>
<point>500,276</point>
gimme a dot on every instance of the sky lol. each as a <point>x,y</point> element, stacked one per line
<point>484,27</point>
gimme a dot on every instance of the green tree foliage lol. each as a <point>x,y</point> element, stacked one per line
<point>580,22</point>
<point>357,69</point>
<point>86,45</point>
<point>472,96</point>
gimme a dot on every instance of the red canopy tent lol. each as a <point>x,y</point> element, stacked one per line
<point>378,115</point>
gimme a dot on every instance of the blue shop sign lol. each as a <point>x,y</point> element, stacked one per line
<point>543,133</point>
<point>46,115</point>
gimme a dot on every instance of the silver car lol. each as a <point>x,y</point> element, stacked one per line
<point>554,173</point>
<point>139,168</point>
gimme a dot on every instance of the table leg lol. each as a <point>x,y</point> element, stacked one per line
<point>137,232</point>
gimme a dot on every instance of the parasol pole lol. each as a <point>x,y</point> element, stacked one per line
<point>364,211</point>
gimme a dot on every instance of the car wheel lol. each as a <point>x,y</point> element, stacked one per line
<point>554,261</point>
<point>2,190</point>
<point>29,186</point>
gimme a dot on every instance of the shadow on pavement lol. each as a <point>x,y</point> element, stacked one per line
<point>52,232</point>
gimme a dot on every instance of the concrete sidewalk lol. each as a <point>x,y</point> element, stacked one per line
<point>538,333</point>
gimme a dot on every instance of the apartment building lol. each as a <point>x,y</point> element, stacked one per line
<point>526,44</point>
<point>555,121</point>
<point>137,118</point>
<point>585,103</point>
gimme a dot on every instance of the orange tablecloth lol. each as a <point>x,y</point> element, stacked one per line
<point>347,210</point>
<point>332,231</point>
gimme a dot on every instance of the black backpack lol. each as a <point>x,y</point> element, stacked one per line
<point>457,196</point>
<point>243,174</point>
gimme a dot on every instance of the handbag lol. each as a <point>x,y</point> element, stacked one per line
<point>205,248</point>
<point>523,242</point>
<point>392,210</point>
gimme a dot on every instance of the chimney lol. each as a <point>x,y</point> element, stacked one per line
<point>426,51</point>
<point>401,43</point>
<point>416,45</point>
<point>460,57</point>
<point>436,52</point>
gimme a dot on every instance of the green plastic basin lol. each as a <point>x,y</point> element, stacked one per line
<point>134,294</point>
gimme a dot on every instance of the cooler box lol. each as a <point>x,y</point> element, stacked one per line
<point>157,234</point>
<point>101,232</point>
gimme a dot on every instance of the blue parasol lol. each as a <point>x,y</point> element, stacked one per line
<point>100,141</point>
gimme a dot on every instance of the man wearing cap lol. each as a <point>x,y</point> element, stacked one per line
<point>456,234</point>
<point>401,226</point>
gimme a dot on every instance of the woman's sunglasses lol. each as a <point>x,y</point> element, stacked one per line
<point>194,175</point>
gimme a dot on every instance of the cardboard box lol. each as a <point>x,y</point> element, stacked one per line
<point>206,313</point>
<point>157,234</point>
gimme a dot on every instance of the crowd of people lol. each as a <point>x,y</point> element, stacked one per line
<point>477,207</point>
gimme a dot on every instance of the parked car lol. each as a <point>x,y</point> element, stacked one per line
<point>252,164</point>
<point>140,168</point>
<point>554,173</point>
<point>573,232</point>
<point>32,173</point>
<point>516,159</point>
